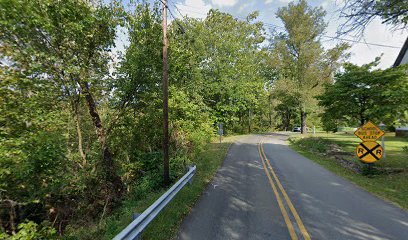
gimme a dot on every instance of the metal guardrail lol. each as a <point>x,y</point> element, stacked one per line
<point>133,230</point>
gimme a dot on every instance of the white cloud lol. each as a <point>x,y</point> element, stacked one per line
<point>280,2</point>
<point>243,7</point>
<point>224,3</point>
<point>193,8</point>
<point>360,53</point>
<point>326,4</point>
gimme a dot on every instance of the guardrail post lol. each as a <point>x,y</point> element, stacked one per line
<point>188,169</point>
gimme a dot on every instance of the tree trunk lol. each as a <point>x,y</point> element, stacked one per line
<point>79,133</point>
<point>249,120</point>
<point>270,120</point>
<point>114,185</point>
<point>286,121</point>
<point>362,120</point>
<point>303,121</point>
<point>362,111</point>
<point>80,148</point>
<point>13,220</point>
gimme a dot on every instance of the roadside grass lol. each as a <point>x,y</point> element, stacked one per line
<point>166,224</point>
<point>392,187</point>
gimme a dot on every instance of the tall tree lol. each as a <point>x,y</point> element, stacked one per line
<point>303,64</point>
<point>137,88</point>
<point>67,44</point>
<point>221,59</point>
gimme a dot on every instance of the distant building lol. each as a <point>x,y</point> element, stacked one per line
<point>402,59</point>
<point>403,55</point>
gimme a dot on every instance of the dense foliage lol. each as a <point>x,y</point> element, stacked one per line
<point>81,124</point>
<point>81,127</point>
<point>304,66</point>
<point>361,93</point>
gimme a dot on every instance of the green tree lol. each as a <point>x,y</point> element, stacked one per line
<point>220,58</point>
<point>55,57</point>
<point>361,93</point>
<point>137,88</point>
<point>304,66</point>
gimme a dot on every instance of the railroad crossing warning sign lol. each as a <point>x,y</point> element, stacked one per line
<point>369,132</point>
<point>369,152</point>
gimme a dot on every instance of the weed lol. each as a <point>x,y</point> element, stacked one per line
<point>316,145</point>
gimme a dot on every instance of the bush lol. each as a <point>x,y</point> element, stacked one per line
<point>316,145</point>
<point>29,230</point>
<point>329,124</point>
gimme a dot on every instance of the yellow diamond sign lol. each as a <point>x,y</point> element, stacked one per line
<point>369,132</point>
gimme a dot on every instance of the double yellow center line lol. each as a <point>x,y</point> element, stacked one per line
<point>272,179</point>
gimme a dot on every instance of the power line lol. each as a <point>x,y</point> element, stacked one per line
<point>280,27</point>
<point>172,15</point>
<point>343,39</point>
<point>355,41</point>
<point>178,10</point>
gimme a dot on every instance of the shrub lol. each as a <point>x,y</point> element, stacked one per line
<point>317,145</point>
<point>29,230</point>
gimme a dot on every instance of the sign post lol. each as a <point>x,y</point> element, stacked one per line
<point>382,127</point>
<point>369,151</point>
<point>220,130</point>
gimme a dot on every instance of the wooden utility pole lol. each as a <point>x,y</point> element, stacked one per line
<point>166,169</point>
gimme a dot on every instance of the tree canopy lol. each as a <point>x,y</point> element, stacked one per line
<point>304,66</point>
<point>361,93</point>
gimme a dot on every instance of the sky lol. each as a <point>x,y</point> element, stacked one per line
<point>361,53</point>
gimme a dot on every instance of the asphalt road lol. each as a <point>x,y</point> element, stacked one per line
<point>291,198</point>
